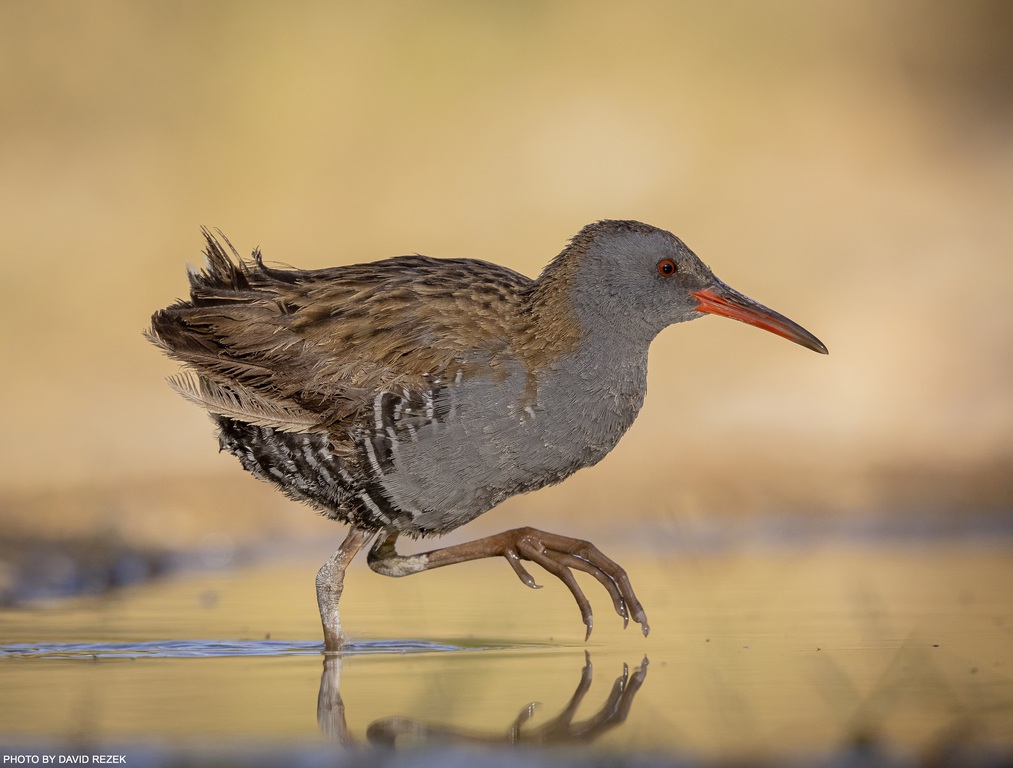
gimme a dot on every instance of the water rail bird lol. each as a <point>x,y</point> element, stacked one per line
<point>410,395</point>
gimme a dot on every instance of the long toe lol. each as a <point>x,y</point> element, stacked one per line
<point>535,552</point>
<point>618,602</point>
<point>585,556</point>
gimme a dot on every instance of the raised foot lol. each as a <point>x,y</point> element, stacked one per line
<point>559,555</point>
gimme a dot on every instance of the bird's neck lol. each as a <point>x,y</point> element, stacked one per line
<point>590,355</point>
<point>591,396</point>
<point>569,309</point>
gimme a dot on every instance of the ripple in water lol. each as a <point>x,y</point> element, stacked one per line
<point>188,649</point>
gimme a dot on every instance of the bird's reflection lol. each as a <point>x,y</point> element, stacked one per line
<point>561,729</point>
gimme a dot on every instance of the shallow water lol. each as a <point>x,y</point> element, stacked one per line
<point>764,655</point>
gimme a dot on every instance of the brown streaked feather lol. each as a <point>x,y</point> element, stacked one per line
<point>282,347</point>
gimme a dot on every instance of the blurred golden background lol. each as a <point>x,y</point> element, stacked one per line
<point>848,164</point>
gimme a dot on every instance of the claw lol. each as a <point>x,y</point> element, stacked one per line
<point>587,616</point>
<point>521,571</point>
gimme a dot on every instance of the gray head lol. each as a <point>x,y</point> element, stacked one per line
<point>640,279</point>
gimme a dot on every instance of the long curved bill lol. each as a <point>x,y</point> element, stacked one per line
<point>727,302</point>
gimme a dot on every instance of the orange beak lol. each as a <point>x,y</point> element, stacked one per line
<point>724,301</point>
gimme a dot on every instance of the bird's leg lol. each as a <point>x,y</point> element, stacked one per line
<point>331,582</point>
<point>556,554</point>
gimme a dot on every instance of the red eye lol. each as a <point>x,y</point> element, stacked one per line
<point>666,267</point>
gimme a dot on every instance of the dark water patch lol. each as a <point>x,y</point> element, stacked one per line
<point>35,569</point>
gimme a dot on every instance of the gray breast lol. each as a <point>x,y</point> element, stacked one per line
<point>446,456</point>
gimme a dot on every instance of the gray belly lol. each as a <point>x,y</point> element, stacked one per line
<point>429,461</point>
<point>496,439</point>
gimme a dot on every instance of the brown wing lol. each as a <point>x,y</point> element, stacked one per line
<point>301,349</point>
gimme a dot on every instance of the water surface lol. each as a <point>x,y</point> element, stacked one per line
<point>762,655</point>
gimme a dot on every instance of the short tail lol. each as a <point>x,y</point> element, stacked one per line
<point>224,280</point>
<point>225,277</point>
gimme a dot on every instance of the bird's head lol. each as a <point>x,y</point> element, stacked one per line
<point>644,279</point>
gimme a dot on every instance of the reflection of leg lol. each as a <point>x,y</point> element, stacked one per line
<point>330,706</point>
<point>559,730</point>
<point>330,582</point>
<point>562,730</point>
<point>565,717</point>
<point>556,554</point>
<point>558,726</point>
<point>617,707</point>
